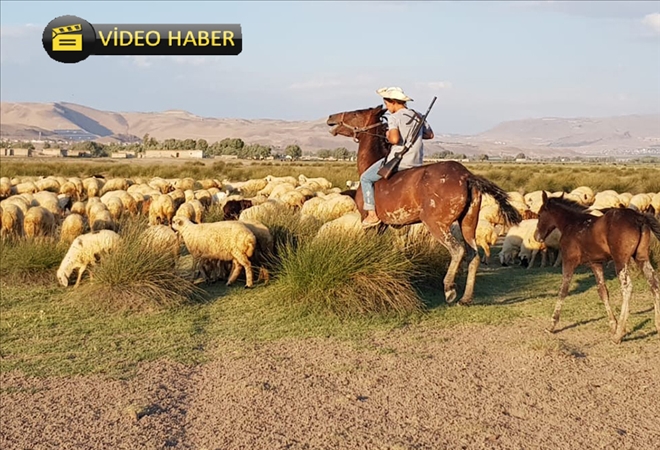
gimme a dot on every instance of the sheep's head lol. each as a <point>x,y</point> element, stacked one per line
<point>179,222</point>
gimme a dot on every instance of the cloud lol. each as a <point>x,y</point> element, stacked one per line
<point>20,31</point>
<point>652,22</point>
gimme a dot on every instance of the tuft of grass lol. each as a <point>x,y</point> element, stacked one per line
<point>214,214</point>
<point>136,276</point>
<point>346,276</point>
<point>30,260</point>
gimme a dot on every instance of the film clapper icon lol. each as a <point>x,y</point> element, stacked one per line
<point>68,38</point>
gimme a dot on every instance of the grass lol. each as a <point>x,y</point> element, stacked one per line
<point>136,276</point>
<point>137,307</point>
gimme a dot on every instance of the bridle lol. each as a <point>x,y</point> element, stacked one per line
<point>358,130</point>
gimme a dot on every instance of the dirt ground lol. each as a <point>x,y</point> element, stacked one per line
<point>509,387</point>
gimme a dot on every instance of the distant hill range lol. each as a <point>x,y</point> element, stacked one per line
<point>635,135</point>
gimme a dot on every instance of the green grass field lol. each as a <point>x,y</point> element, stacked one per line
<point>48,330</point>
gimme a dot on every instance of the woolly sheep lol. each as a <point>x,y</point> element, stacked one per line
<point>48,184</point>
<point>161,210</point>
<point>514,239</point>
<point>179,197</point>
<point>293,199</point>
<point>12,221</point>
<point>323,182</point>
<point>115,207</point>
<point>162,238</point>
<point>625,198</point>
<point>349,223</point>
<point>584,195</point>
<point>486,237</point>
<point>224,241</point>
<point>161,185</point>
<point>186,210</point>
<point>606,199</point>
<point>328,208</point>
<point>264,210</point>
<point>72,227</point>
<point>204,197</point>
<point>641,202</point>
<point>186,183</point>
<point>655,202</point>
<point>78,208</point>
<point>38,222</point>
<point>5,187</point>
<point>49,201</point>
<point>530,247</point>
<point>83,252</point>
<point>288,179</point>
<point>102,220</point>
<point>69,189</point>
<point>92,187</point>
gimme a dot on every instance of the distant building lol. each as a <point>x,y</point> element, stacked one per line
<point>120,155</point>
<point>76,153</point>
<point>16,152</point>
<point>174,153</point>
<point>52,152</point>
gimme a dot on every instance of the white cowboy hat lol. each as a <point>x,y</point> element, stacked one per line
<point>395,93</point>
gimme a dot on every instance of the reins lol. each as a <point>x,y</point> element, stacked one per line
<point>358,130</point>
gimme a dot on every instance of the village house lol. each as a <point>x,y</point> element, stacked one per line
<point>174,153</point>
<point>16,152</point>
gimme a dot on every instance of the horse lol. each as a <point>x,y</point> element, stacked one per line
<point>620,234</point>
<point>435,194</point>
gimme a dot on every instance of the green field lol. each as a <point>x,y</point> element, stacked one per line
<point>47,330</point>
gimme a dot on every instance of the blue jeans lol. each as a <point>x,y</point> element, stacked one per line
<point>367,180</point>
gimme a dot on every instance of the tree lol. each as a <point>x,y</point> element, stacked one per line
<point>482,157</point>
<point>202,144</point>
<point>294,151</point>
<point>341,153</point>
<point>188,144</point>
<point>323,153</point>
<point>521,156</point>
<point>47,145</point>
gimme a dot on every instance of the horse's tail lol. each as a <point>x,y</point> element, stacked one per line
<point>653,223</point>
<point>511,214</point>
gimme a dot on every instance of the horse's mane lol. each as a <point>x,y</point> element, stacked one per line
<point>383,144</point>
<point>568,204</point>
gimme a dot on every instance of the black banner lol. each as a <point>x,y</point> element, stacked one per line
<point>167,39</point>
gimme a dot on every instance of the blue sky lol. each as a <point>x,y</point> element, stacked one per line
<point>486,61</point>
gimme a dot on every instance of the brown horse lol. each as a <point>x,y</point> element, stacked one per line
<point>436,194</point>
<point>620,234</point>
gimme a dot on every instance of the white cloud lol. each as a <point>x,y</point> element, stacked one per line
<point>652,21</point>
<point>19,31</point>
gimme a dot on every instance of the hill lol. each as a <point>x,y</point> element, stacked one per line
<point>611,136</point>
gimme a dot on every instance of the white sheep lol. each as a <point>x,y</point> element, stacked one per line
<point>161,210</point>
<point>486,236</point>
<point>324,183</point>
<point>641,202</point>
<point>514,239</point>
<point>12,221</point>
<point>83,252</point>
<point>38,221</point>
<point>224,241</point>
<point>72,227</point>
<point>349,223</point>
<point>163,239</point>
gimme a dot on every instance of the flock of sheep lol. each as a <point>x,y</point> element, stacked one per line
<point>86,213</point>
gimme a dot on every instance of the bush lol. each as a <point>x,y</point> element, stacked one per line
<point>136,276</point>
<point>346,276</point>
<point>30,260</point>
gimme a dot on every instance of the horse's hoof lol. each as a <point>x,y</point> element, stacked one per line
<point>450,296</point>
<point>550,330</point>
<point>464,302</point>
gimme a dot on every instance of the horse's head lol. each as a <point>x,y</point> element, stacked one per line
<point>546,223</point>
<point>350,123</point>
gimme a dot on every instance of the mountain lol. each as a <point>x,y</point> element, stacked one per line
<point>543,137</point>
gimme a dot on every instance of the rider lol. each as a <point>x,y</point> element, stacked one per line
<point>400,124</point>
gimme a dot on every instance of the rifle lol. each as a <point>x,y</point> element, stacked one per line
<point>389,168</point>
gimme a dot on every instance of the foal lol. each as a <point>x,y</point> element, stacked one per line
<point>619,234</point>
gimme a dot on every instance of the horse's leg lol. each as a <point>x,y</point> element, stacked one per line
<point>597,269</point>
<point>469,232</point>
<point>567,275</point>
<point>544,257</point>
<point>532,259</point>
<point>652,278</point>
<point>456,250</point>
<point>558,260</point>
<point>626,292</point>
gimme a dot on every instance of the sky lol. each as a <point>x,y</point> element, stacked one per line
<point>487,62</point>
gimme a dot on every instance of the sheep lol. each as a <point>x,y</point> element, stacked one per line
<point>5,187</point>
<point>288,179</point>
<point>48,184</point>
<point>349,223</point>
<point>84,251</point>
<point>19,201</point>
<point>115,207</point>
<point>102,220</point>
<point>324,183</point>
<point>186,183</point>
<point>281,189</point>
<point>49,201</point>
<point>293,199</point>
<point>327,207</point>
<point>530,247</point>
<point>92,187</point>
<point>161,210</point>
<point>259,212</point>
<point>233,208</point>
<point>625,198</point>
<point>28,187</point>
<point>225,241</point>
<point>72,227</point>
<point>12,221</point>
<point>69,189</point>
<point>514,239</point>
<point>179,197</point>
<point>209,184</point>
<point>655,202</point>
<point>252,186</point>
<point>65,202</point>
<point>162,238</point>
<point>186,210</point>
<point>78,208</point>
<point>38,221</point>
<point>161,185</point>
<point>352,185</point>
<point>204,197</point>
<point>606,199</point>
<point>584,195</point>
<point>486,236</point>
<point>641,202</point>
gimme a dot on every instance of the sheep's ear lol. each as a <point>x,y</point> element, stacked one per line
<point>544,197</point>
